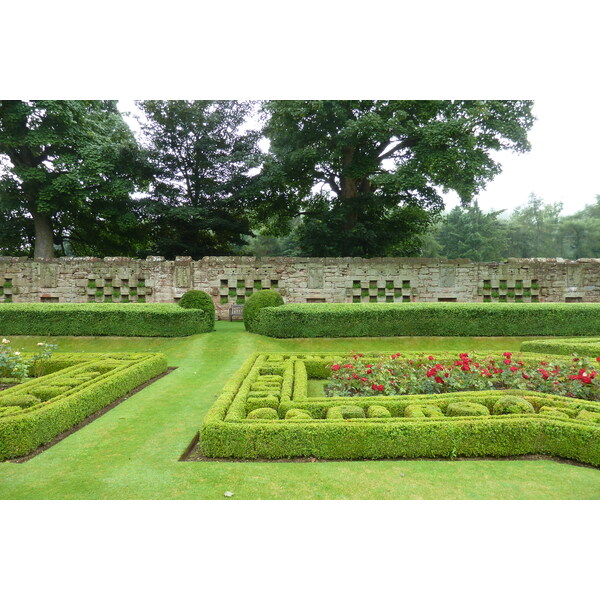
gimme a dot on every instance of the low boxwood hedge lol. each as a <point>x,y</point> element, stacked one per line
<point>410,426</point>
<point>580,346</point>
<point>147,320</point>
<point>427,319</point>
<point>26,425</point>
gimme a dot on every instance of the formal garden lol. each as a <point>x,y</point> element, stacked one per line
<point>412,400</point>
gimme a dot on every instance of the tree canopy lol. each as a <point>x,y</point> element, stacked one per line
<point>202,156</point>
<point>69,170</point>
<point>367,176</point>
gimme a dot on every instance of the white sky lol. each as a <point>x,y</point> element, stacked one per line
<point>562,166</point>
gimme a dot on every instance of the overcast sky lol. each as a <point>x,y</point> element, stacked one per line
<point>562,165</point>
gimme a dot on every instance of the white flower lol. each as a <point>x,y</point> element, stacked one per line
<point>5,341</point>
<point>40,343</point>
<point>17,354</point>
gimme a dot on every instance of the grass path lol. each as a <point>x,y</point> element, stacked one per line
<point>132,451</point>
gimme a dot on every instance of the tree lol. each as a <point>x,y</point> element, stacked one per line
<point>471,233</point>
<point>366,175</point>
<point>69,170</point>
<point>580,232</point>
<point>199,201</point>
<point>534,229</point>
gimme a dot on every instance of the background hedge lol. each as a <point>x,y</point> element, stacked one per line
<point>198,299</point>
<point>144,320</point>
<point>427,319</point>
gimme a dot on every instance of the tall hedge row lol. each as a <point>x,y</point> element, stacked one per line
<point>428,318</point>
<point>144,320</point>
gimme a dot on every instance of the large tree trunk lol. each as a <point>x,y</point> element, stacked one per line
<point>44,246</point>
<point>351,187</point>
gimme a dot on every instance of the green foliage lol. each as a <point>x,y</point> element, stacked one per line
<point>259,300</point>
<point>295,413</point>
<point>160,320</point>
<point>443,319</point>
<point>467,409</point>
<point>345,412</point>
<point>415,426</point>
<point>63,406</point>
<point>471,233</point>
<point>586,415</point>
<point>70,172</point>
<point>200,300</point>
<point>378,412</point>
<point>420,411</point>
<point>200,196</point>
<point>263,413</point>
<point>512,405</point>
<point>365,207</point>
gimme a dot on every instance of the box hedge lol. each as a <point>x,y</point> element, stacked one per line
<point>427,319</point>
<point>25,428</point>
<point>148,320</point>
<point>410,426</point>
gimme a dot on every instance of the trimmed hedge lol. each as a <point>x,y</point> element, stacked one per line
<point>427,319</point>
<point>258,301</point>
<point>23,429</point>
<point>146,320</point>
<point>581,346</point>
<point>410,426</point>
<point>198,299</point>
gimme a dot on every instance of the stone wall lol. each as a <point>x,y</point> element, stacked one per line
<point>230,280</point>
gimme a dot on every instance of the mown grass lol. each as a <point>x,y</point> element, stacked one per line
<point>132,451</point>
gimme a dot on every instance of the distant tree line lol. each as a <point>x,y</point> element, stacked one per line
<point>313,178</point>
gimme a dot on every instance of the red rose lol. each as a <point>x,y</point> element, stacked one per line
<point>380,388</point>
<point>507,354</point>
<point>586,379</point>
<point>525,376</point>
<point>439,379</point>
<point>369,371</point>
<point>507,361</point>
<point>513,369</point>
<point>363,379</point>
<point>430,357</point>
<point>374,387</point>
<point>336,367</point>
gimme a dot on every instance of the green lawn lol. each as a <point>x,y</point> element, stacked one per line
<point>132,451</point>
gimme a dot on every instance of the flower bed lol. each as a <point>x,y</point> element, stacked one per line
<point>265,411</point>
<point>393,374</point>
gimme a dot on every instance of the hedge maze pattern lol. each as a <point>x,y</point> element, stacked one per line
<point>265,411</point>
<point>73,387</point>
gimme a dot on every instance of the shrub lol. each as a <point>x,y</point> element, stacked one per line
<point>467,409</point>
<point>296,413</point>
<point>149,320</point>
<point>378,412</point>
<point>258,301</point>
<point>346,412</point>
<point>263,413</point>
<point>512,405</point>
<point>271,401</point>
<point>587,415</point>
<point>25,401</point>
<point>29,427</point>
<point>427,319</point>
<point>345,434</point>
<point>420,411</point>
<point>198,299</point>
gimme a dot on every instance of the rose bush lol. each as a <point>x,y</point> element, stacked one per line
<point>392,375</point>
<point>15,366</point>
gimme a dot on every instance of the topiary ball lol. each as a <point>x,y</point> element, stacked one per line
<point>512,405</point>
<point>376,411</point>
<point>256,302</point>
<point>198,299</point>
<point>263,413</point>
<point>467,409</point>
<point>297,413</point>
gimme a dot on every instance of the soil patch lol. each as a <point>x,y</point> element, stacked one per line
<point>88,420</point>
